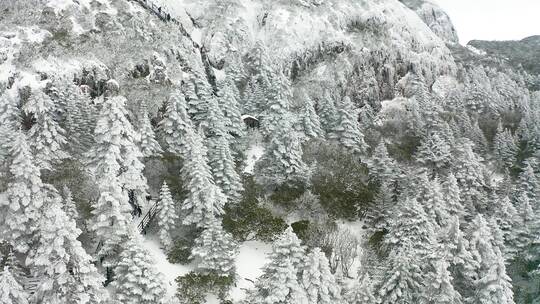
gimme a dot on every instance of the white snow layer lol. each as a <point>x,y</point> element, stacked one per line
<point>253,154</point>
<point>170,271</point>
<point>249,263</point>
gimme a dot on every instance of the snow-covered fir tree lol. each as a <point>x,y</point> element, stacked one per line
<point>166,217</point>
<point>229,103</point>
<point>279,282</point>
<point>69,206</point>
<point>327,112</point>
<point>504,147</point>
<point>440,287</point>
<point>46,137</point>
<point>148,143</point>
<point>346,130</point>
<point>403,282</point>
<point>491,284</point>
<point>116,142</point>
<point>215,250</point>
<point>21,210</point>
<point>137,279</point>
<point>283,158</point>
<point>310,120</point>
<point>318,281</point>
<point>362,292</point>
<point>452,196</point>
<point>434,152</point>
<point>381,165</point>
<point>174,124</point>
<point>65,271</point>
<point>11,291</point>
<point>204,199</point>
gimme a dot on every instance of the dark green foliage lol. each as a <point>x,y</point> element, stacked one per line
<point>248,219</point>
<point>340,180</point>
<point>301,229</point>
<point>193,287</point>
<point>167,169</point>
<point>405,148</point>
<point>180,251</point>
<point>286,193</point>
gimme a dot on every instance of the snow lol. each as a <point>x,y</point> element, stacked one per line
<point>475,50</point>
<point>253,154</point>
<point>170,271</point>
<point>249,263</point>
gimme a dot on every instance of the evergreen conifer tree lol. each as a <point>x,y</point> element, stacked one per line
<point>347,129</point>
<point>279,282</point>
<point>204,200</point>
<point>215,250</point>
<point>318,281</point>
<point>148,144</point>
<point>491,284</point>
<point>20,212</point>
<point>58,259</point>
<point>46,137</point>
<point>381,165</point>
<point>175,123</point>
<point>11,291</point>
<point>137,279</point>
<point>166,217</point>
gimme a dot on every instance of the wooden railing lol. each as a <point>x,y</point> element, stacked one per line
<point>148,217</point>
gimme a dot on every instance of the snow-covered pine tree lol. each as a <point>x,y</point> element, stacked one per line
<point>65,271</point>
<point>529,183</point>
<point>11,122</point>
<point>229,103</point>
<point>255,98</point>
<point>166,217</point>
<point>148,143</point>
<point>116,141</point>
<point>504,147</point>
<point>15,266</point>
<point>362,292</point>
<point>509,221</point>
<point>198,93</point>
<point>215,250</point>
<point>46,137</point>
<point>439,288</point>
<point>411,228</point>
<point>137,279</point>
<point>525,232</point>
<point>403,282</point>
<point>204,200</point>
<point>434,152</point>
<point>69,206</point>
<point>431,197</point>
<point>452,196</point>
<point>462,266</point>
<point>380,215</point>
<point>279,282</point>
<point>327,112</point>
<point>491,284</point>
<point>174,124</point>
<point>381,165</point>
<point>319,283</point>
<point>310,120</point>
<point>469,172</point>
<point>111,212</point>
<point>278,103</point>
<point>223,168</point>
<point>79,119</point>
<point>346,130</point>
<point>11,291</point>
<point>282,160</point>
<point>21,210</point>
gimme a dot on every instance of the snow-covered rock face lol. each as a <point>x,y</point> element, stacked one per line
<point>437,20</point>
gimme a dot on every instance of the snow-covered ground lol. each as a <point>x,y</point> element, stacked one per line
<point>249,262</point>
<point>253,154</point>
<point>169,271</point>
